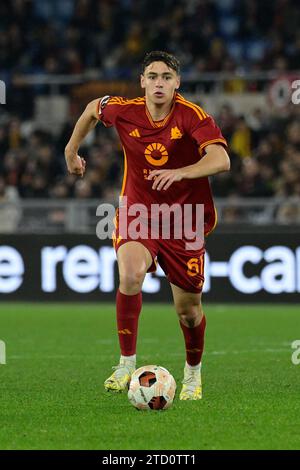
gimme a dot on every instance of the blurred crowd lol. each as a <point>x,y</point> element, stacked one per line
<point>264,150</point>
<point>112,36</point>
<point>62,36</point>
<point>265,157</point>
<point>34,164</point>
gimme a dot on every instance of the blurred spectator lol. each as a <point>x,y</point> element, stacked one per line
<point>226,121</point>
<point>83,189</point>
<point>289,212</point>
<point>241,138</point>
<point>251,181</point>
<point>9,211</point>
<point>232,212</point>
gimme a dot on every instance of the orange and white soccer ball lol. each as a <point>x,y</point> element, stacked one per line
<point>152,388</point>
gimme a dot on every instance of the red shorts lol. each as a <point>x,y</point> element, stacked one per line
<point>184,268</point>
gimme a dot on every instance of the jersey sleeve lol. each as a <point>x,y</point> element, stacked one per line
<point>205,131</point>
<point>108,110</point>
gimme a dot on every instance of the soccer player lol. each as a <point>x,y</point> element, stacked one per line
<point>171,147</point>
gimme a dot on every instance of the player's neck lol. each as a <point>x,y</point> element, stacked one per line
<point>158,111</point>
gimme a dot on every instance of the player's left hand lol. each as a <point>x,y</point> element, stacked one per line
<point>164,178</point>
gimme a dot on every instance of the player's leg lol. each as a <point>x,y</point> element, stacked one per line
<point>185,272</point>
<point>134,260</point>
<point>192,322</point>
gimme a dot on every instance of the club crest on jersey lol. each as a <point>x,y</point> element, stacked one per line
<point>156,154</point>
<point>175,133</point>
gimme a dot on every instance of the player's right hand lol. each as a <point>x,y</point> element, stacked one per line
<point>76,165</point>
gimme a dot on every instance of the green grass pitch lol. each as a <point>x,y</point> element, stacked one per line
<point>52,396</point>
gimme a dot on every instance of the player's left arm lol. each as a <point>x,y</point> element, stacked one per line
<point>215,160</point>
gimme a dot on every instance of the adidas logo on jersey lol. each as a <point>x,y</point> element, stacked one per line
<point>135,133</point>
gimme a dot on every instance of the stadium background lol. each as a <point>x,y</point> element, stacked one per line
<point>239,60</point>
<point>239,64</point>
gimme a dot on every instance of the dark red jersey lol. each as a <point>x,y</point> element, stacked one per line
<point>176,141</point>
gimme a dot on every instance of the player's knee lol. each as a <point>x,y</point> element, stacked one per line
<point>189,315</point>
<point>131,280</point>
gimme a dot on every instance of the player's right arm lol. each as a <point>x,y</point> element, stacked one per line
<point>86,122</point>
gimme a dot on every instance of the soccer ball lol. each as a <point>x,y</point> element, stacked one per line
<point>152,388</point>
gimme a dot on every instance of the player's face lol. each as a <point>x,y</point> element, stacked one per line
<point>159,82</point>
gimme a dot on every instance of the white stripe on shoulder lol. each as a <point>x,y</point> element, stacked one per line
<point>103,102</point>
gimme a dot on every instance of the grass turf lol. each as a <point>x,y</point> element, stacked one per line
<point>52,396</point>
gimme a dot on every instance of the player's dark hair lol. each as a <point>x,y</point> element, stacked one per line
<point>160,56</point>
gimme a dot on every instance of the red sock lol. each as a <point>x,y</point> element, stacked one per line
<point>128,311</point>
<point>194,342</point>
